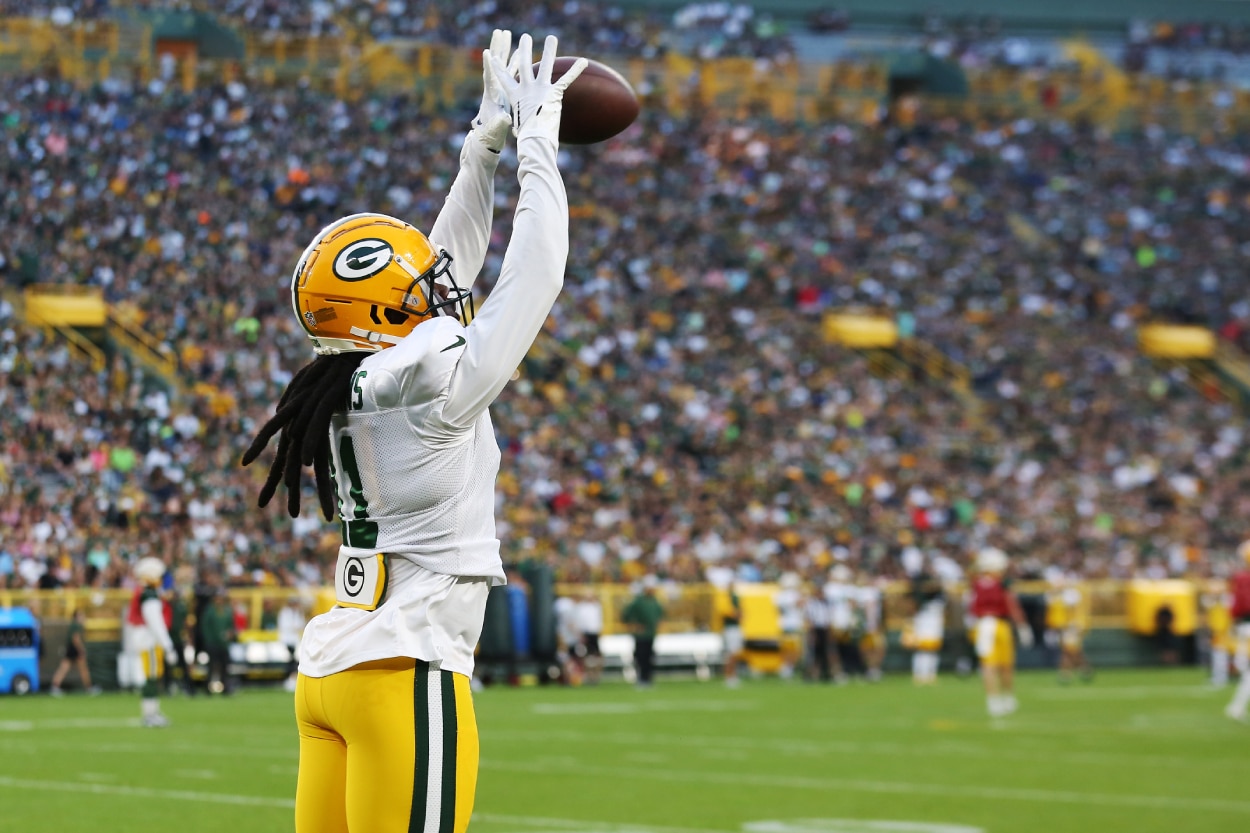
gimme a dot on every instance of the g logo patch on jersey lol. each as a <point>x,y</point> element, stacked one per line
<point>360,581</point>
<point>363,259</point>
<point>354,577</point>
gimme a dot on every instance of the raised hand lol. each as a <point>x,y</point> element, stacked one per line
<point>535,99</point>
<point>495,115</point>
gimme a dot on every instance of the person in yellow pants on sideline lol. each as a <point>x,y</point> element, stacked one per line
<point>393,417</point>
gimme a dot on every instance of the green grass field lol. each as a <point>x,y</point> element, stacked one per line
<point>1135,751</point>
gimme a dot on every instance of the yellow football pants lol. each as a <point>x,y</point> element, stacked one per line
<point>386,747</point>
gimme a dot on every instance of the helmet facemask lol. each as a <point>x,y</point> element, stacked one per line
<point>420,297</point>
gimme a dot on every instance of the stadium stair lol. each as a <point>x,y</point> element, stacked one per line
<point>125,331</point>
<point>77,334</point>
<point>1204,378</point>
<point>942,369</point>
<point>1234,365</point>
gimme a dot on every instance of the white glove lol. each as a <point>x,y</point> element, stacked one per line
<point>536,101</point>
<point>494,117</point>
<point>1026,635</point>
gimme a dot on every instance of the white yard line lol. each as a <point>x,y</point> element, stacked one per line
<point>69,723</point>
<point>721,744</point>
<point>1141,692</point>
<point>144,792</point>
<point>586,826</point>
<point>88,788</point>
<point>1136,801</point>
<point>643,705</point>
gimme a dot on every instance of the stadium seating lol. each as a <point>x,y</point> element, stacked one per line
<point>687,405</point>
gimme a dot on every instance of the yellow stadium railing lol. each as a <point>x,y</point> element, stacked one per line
<point>688,607</point>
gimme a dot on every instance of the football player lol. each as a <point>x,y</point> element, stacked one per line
<point>1067,620</point>
<point>1239,589</point>
<point>995,609</point>
<point>873,643</point>
<point>150,636</point>
<point>789,601</point>
<point>731,630</point>
<point>841,596</point>
<point>928,626</point>
<point>393,417</point>
<point>1219,626</point>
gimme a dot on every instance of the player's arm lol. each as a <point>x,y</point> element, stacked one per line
<point>1023,628</point>
<point>463,225</point>
<point>153,611</point>
<point>533,266</point>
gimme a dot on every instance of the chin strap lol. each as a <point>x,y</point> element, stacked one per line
<point>374,337</point>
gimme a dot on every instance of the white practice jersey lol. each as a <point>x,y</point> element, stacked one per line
<point>565,609</point>
<point>590,616</point>
<point>789,610</point>
<point>870,602</point>
<point>415,456</point>
<point>841,600</point>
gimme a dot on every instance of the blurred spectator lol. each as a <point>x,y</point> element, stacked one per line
<point>642,617</point>
<point>75,656</point>
<point>218,631</point>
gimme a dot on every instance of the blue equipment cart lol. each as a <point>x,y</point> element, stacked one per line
<point>19,651</point>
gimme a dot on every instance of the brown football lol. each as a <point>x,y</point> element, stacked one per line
<point>597,106</point>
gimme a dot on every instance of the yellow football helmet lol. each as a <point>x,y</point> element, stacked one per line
<point>367,280</point>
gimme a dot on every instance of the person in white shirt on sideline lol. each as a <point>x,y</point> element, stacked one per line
<point>589,617</point>
<point>291,622</point>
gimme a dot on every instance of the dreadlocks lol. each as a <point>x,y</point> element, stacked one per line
<point>303,416</point>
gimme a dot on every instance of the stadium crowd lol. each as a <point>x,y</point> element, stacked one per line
<point>710,30</point>
<point>684,408</point>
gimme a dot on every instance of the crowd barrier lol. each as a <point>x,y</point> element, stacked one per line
<point>1109,604</point>
<point>519,637</point>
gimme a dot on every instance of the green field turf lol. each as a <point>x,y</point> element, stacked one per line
<point>1135,751</point>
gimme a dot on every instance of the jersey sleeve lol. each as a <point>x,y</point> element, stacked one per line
<point>463,225</point>
<point>154,618</point>
<point>530,280</point>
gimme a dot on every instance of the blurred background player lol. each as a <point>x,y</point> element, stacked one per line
<point>152,640</point>
<point>589,615</point>
<point>217,632</point>
<point>928,625</point>
<point>180,633</point>
<point>789,601</point>
<point>642,616</point>
<point>291,622</point>
<point>872,643</point>
<point>996,609</point>
<point>569,650</point>
<point>1066,624</point>
<point>731,631</point>
<point>75,656</point>
<point>819,662</point>
<point>840,595</point>
<point>1239,609</point>
<point>1218,623</point>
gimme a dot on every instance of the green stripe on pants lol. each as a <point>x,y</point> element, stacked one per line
<point>421,761</point>
<point>447,822</point>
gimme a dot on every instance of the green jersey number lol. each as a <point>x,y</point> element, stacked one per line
<point>358,531</point>
<point>357,400</point>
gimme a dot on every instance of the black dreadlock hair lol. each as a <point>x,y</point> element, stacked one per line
<point>315,394</point>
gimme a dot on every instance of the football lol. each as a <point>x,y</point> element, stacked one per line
<point>597,106</point>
